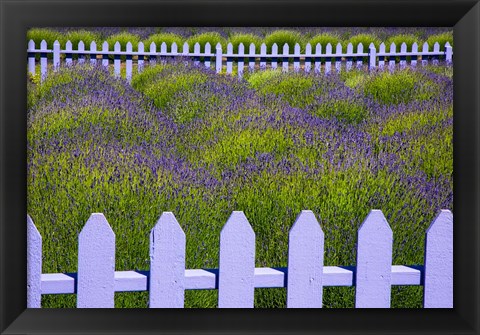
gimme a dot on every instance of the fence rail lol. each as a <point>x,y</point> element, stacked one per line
<point>304,277</point>
<point>314,56</point>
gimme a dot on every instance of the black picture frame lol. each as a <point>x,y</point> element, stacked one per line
<point>17,15</point>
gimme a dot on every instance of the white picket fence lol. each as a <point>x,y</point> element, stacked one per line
<point>237,276</point>
<point>256,58</point>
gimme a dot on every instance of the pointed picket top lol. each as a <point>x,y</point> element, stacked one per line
<point>167,263</point>
<point>393,47</point>
<point>415,47</point>
<point>305,262</point>
<point>241,49</point>
<point>274,49</point>
<point>34,265</point>
<point>186,48</point>
<point>359,48</point>
<point>438,286</point>
<point>371,45</point>
<point>374,262</point>
<point>436,47</point>
<point>208,47</point>
<point>350,48</point>
<point>403,47</point>
<point>129,47</point>
<point>163,47</point>
<point>252,48</point>
<point>447,44</point>
<point>43,45</point>
<point>263,49</point>
<point>286,49</point>
<point>117,46</point>
<point>31,44</point>
<point>93,46</point>
<point>174,48</point>
<point>382,48</point>
<point>96,264</point>
<point>338,49</point>
<point>81,46</point>
<point>196,47</point>
<point>237,263</point>
<point>140,46</point>
<point>318,49</point>
<point>218,46</point>
<point>425,47</point>
<point>105,46</point>
<point>153,47</point>
<point>308,49</point>
<point>229,48</point>
<point>328,49</point>
<point>296,49</point>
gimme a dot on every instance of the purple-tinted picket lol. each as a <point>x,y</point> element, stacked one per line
<point>349,63</point>
<point>251,57</point>
<point>196,51</point>
<point>43,60</point>
<point>373,56</point>
<point>93,56</point>
<point>318,63</point>
<point>237,263</point>
<point>285,57</point>
<point>68,53</point>
<point>167,263</point>
<point>425,57</point>
<point>360,58</point>
<point>308,58</point>
<point>414,51</point>
<point>391,59</point>
<point>305,263</point>
<point>31,57</point>
<point>140,62</point>
<point>338,58</point>
<point>56,54</point>
<point>374,262</point>
<point>296,58</point>
<point>448,53</point>
<point>104,54</point>
<point>34,265</point>
<point>128,63</point>
<point>436,49</point>
<point>328,59</point>
<point>116,61</point>
<point>274,55</point>
<point>96,264</point>
<point>381,56</point>
<point>81,49</point>
<point>403,58</point>
<point>152,59</point>
<point>218,58</point>
<point>263,56</point>
<point>229,58</point>
<point>174,49</point>
<point>241,57</point>
<point>438,276</point>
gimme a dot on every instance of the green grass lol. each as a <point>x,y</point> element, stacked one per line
<point>167,38</point>
<point>247,40</point>
<point>282,37</point>
<point>365,39</point>
<point>323,40</point>
<point>202,39</point>
<point>442,39</point>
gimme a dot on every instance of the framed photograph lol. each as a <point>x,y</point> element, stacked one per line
<point>203,154</point>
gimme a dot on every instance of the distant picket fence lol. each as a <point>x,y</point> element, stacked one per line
<point>313,57</point>
<point>304,278</point>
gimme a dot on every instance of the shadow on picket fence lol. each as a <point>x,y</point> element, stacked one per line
<point>304,278</point>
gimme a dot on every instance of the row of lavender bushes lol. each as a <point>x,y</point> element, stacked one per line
<point>181,138</point>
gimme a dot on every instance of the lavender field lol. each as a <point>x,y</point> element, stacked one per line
<point>181,138</point>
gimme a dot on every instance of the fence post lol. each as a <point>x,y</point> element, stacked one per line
<point>305,263</point>
<point>237,263</point>
<point>31,57</point>
<point>96,264</point>
<point>438,276</point>
<point>34,265</point>
<point>374,262</point>
<point>448,53</point>
<point>56,55</point>
<point>167,263</point>
<point>373,56</point>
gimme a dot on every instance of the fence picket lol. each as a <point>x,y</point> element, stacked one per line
<point>308,58</point>
<point>34,265</point>
<point>163,50</point>
<point>128,63</point>
<point>448,53</point>
<point>305,262</point>
<point>105,56</point>
<point>237,263</point>
<point>96,264</point>
<point>285,57</point>
<point>274,55</point>
<point>318,63</point>
<point>218,58</point>
<point>373,56</point>
<point>328,59</point>
<point>140,61</point>
<point>167,263</point>
<point>381,57</point>
<point>436,48</point>
<point>152,59</point>
<point>81,49</point>
<point>251,58</point>
<point>43,60</point>
<point>359,58</point>
<point>391,59</point>
<point>229,58</point>
<point>296,58</point>
<point>56,54</point>
<point>174,49</point>
<point>207,58</point>
<point>374,262</point>
<point>31,57</point>
<point>438,277</point>
<point>93,56</point>
<point>68,53</point>
<point>263,56</point>
<point>349,63</point>
<point>413,62</point>
<point>116,59</point>
<point>425,57</point>
<point>240,61</point>
<point>403,57</point>
<point>338,58</point>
